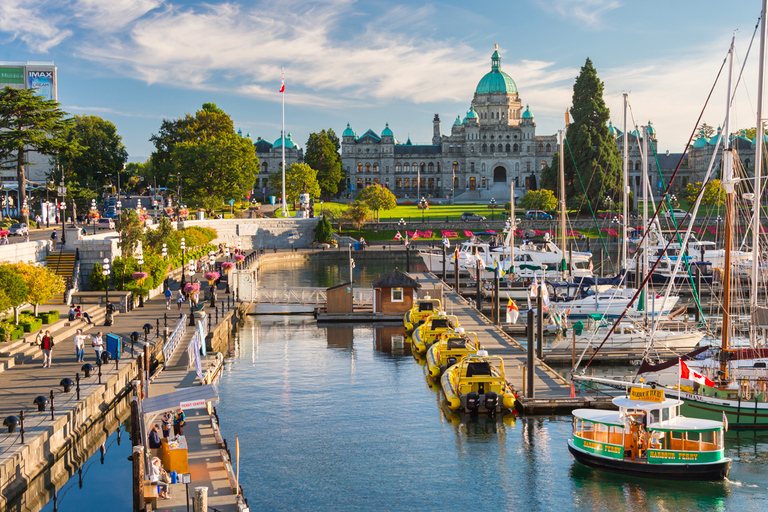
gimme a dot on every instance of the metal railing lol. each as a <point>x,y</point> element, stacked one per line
<point>173,340</point>
<point>306,296</point>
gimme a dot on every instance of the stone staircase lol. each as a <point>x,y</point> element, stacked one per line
<point>62,264</point>
<point>24,350</point>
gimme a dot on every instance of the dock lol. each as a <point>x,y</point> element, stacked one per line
<point>551,392</point>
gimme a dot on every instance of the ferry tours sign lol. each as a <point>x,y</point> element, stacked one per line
<point>646,395</point>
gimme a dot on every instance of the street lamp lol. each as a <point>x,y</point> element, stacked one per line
<point>165,251</point>
<point>105,273</point>
<point>141,264</point>
<point>119,206</point>
<point>93,214</point>
<point>25,211</point>
<point>351,263</point>
<point>183,248</point>
<point>493,206</point>
<point>191,305</point>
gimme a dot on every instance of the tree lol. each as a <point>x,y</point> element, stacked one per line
<point>155,238</point>
<point>97,282</point>
<point>131,232</point>
<point>215,169</point>
<point>377,198</point>
<point>356,215</point>
<point>706,130</point>
<point>550,174</point>
<point>713,195</point>
<point>323,231</point>
<point>102,154</point>
<point>30,123</point>
<point>322,155</point>
<point>15,289</point>
<point>539,200</point>
<point>594,151</point>
<point>298,177</point>
<point>42,283</point>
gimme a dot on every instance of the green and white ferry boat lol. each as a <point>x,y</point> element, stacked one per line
<point>648,437</point>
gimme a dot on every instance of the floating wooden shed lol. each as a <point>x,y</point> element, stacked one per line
<point>393,293</point>
<point>338,299</point>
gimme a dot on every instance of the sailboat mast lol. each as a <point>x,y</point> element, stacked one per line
<point>564,265</point>
<point>757,201</point>
<point>644,149</point>
<point>625,191</point>
<point>728,185</point>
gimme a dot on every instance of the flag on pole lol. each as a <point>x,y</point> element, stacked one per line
<point>406,239</point>
<point>398,236</point>
<point>282,83</point>
<point>725,422</point>
<point>512,312</point>
<point>687,373</point>
<point>446,242</point>
<point>573,390</point>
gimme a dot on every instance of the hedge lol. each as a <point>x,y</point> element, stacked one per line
<point>49,317</point>
<point>31,324</point>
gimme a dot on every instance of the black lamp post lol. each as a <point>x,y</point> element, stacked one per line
<point>105,273</point>
<point>493,207</point>
<point>183,249</point>
<point>94,211</point>
<point>141,265</point>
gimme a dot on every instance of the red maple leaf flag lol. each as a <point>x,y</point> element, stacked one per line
<point>282,83</point>
<point>687,373</point>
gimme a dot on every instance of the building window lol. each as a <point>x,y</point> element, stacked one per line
<point>423,182</point>
<point>484,149</point>
<point>431,167</point>
<point>368,182</point>
<point>387,183</point>
<point>455,182</point>
<point>265,167</point>
<point>514,148</point>
<point>397,168</point>
<point>456,167</point>
<point>431,183</point>
<point>543,164</point>
<point>541,147</point>
<point>398,184</point>
<point>483,181</point>
<point>265,183</point>
<point>423,167</point>
<point>368,167</point>
<point>493,148</point>
<point>397,295</point>
<point>438,166</point>
<point>438,182</point>
<point>528,166</point>
<point>375,181</point>
<point>359,183</point>
<point>360,167</point>
<point>375,167</point>
<point>406,182</point>
<point>508,148</point>
<point>549,147</point>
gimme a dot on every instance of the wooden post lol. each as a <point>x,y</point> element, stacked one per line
<point>456,272</point>
<point>135,422</point>
<point>573,349</point>
<point>201,499</point>
<point>443,262</point>
<point>138,479</point>
<point>496,304</point>
<point>479,292</point>
<point>540,320</point>
<point>146,370</point>
<point>530,354</point>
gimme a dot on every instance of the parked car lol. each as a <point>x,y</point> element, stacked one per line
<point>106,223</point>
<point>537,215</point>
<point>467,216</point>
<point>111,213</point>
<point>677,213</point>
<point>610,215</point>
<point>20,229</point>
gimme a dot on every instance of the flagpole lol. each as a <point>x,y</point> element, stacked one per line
<point>282,87</point>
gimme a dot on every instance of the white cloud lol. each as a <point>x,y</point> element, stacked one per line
<point>111,15</point>
<point>589,12</point>
<point>22,20</point>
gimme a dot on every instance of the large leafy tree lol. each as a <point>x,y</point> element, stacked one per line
<point>103,154</point>
<point>539,200</point>
<point>42,284</point>
<point>377,198</point>
<point>323,155</point>
<point>714,193</point>
<point>30,123</point>
<point>356,215</point>
<point>299,178</point>
<point>216,168</point>
<point>594,151</point>
<point>14,287</point>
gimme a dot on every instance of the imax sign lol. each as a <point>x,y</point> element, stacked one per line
<point>40,74</point>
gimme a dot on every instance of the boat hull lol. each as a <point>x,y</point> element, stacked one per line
<point>743,415</point>
<point>698,472</point>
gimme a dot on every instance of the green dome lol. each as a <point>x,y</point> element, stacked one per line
<point>386,132</point>
<point>651,129</point>
<point>348,132</point>
<point>527,114</point>
<point>288,142</point>
<point>701,141</point>
<point>457,122</point>
<point>713,140</point>
<point>471,114</point>
<point>765,139</point>
<point>496,80</point>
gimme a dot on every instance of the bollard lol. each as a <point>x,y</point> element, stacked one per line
<point>165,319</point>
<point>531,348</point>
<point>217,314</point>
<point>201,499</point>
<point>21,422</point>
<point>52,405</point>
<point>77,384</point>
<point>98,363</point>
<point>157,327</point>
<point>117,361</point>
<point>540,322</point>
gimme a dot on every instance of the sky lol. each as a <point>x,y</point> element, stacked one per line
<point>367,63</point>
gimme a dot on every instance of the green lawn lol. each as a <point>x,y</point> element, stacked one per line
<point>436,212</point>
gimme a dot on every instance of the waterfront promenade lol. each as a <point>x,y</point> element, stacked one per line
<point>45,440</point>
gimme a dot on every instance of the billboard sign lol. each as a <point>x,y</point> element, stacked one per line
<point>11,75</point>
<point>42,82</point>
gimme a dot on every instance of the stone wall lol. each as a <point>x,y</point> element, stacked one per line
<point>260,233</point>
<point>25,252</point>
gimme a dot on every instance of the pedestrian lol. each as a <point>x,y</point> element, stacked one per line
<point>47,347</point>
<point>54,236</point>
<point>168,296</point>
<point>39,338</point>
<point>98,346</point>
<point>37,222</point>
<point>154,437</point>
<point>179,298</point>
<point>4,241</point>
<point>167,419</point>
<point>80,345</point>
<point>178,422</point>
<point>26,237</point>
<point>110,310</point>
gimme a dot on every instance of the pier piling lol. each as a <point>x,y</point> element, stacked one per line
<point>529,375</point>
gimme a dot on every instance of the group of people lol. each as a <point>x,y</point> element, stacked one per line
<point>76,313</point>
<point>45,341</point>
<point>157,475</point>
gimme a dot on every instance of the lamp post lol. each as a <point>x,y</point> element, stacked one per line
<point>493,207</point>
<point>25,211</point>
<point>119,207</point>
<point>141,265</point>
<point>93,214</point>
<point>191,281</point>
<point>351,264</point>
<point>401,225</point>
<point>183,249</point>
<point>165,251</point>
<point>105,273</point>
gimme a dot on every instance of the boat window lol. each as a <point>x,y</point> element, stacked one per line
<point>480,368</point>
<point>440,323</point>
<point>692,436</point>
<point>676,435</point>
<point>654,416</point>
<point>664,414</point>
<point>454,343</point>
<point>425,306</point>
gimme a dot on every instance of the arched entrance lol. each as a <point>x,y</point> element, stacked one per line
<point>499,175</point>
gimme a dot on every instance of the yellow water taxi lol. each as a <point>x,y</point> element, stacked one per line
<point>427,332</point>
<point>420,310</point>
<point>449,348</point>
<point>477,384</point>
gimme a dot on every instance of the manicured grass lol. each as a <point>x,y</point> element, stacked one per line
<point>436,212</point>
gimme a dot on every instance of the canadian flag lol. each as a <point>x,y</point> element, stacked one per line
<point>282,84</point>
<point>687,373</point>
<point>398,236</point>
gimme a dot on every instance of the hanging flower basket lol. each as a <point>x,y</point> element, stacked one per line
<point>211,276</point>
<point>239,257</point>
<point>183,212</point>
<point>93,215</point>
<point>227,266</point>
<point>192,287</point>
<point>4,232</point>
<point>139,277</point>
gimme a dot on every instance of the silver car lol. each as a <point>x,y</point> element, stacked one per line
<point>19,229</point>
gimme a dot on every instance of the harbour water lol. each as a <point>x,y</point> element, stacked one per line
<point>343,419</point>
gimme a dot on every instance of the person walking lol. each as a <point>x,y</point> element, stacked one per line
<point>47,347</point>
<point>110,310</point>
<point>167,419</point>
<point>179,298</point>
<point>168,296</point>
<point>178,422</point>
<point>80,345</point>
<point>98,346</point>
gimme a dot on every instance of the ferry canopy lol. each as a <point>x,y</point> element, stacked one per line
<point>623,402</point>
<point>610,418</point>
<point>683,423</point>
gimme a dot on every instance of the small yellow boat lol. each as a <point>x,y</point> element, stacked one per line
<point>449,348</point>
<point>427,333</point>
<point>420,310</point>
<point>477,384</point>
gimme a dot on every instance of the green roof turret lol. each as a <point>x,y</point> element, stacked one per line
<point>348,132</point>
<point>496,80</point>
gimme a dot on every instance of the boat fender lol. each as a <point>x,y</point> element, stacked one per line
<point>473,401</point>
<point>491,401</point>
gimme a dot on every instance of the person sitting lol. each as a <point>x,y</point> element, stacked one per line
<point>72,313</point>
<point>154,437</point>
<point>156,478</point>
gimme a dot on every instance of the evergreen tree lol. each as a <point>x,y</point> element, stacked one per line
<point>594,151</point>
<point>323,230</point>
<point>549,174</point>
<point>322,154</point>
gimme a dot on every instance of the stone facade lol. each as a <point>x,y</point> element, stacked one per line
<point>271,161</point>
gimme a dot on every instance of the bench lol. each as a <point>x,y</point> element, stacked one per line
<point>150,492</point>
